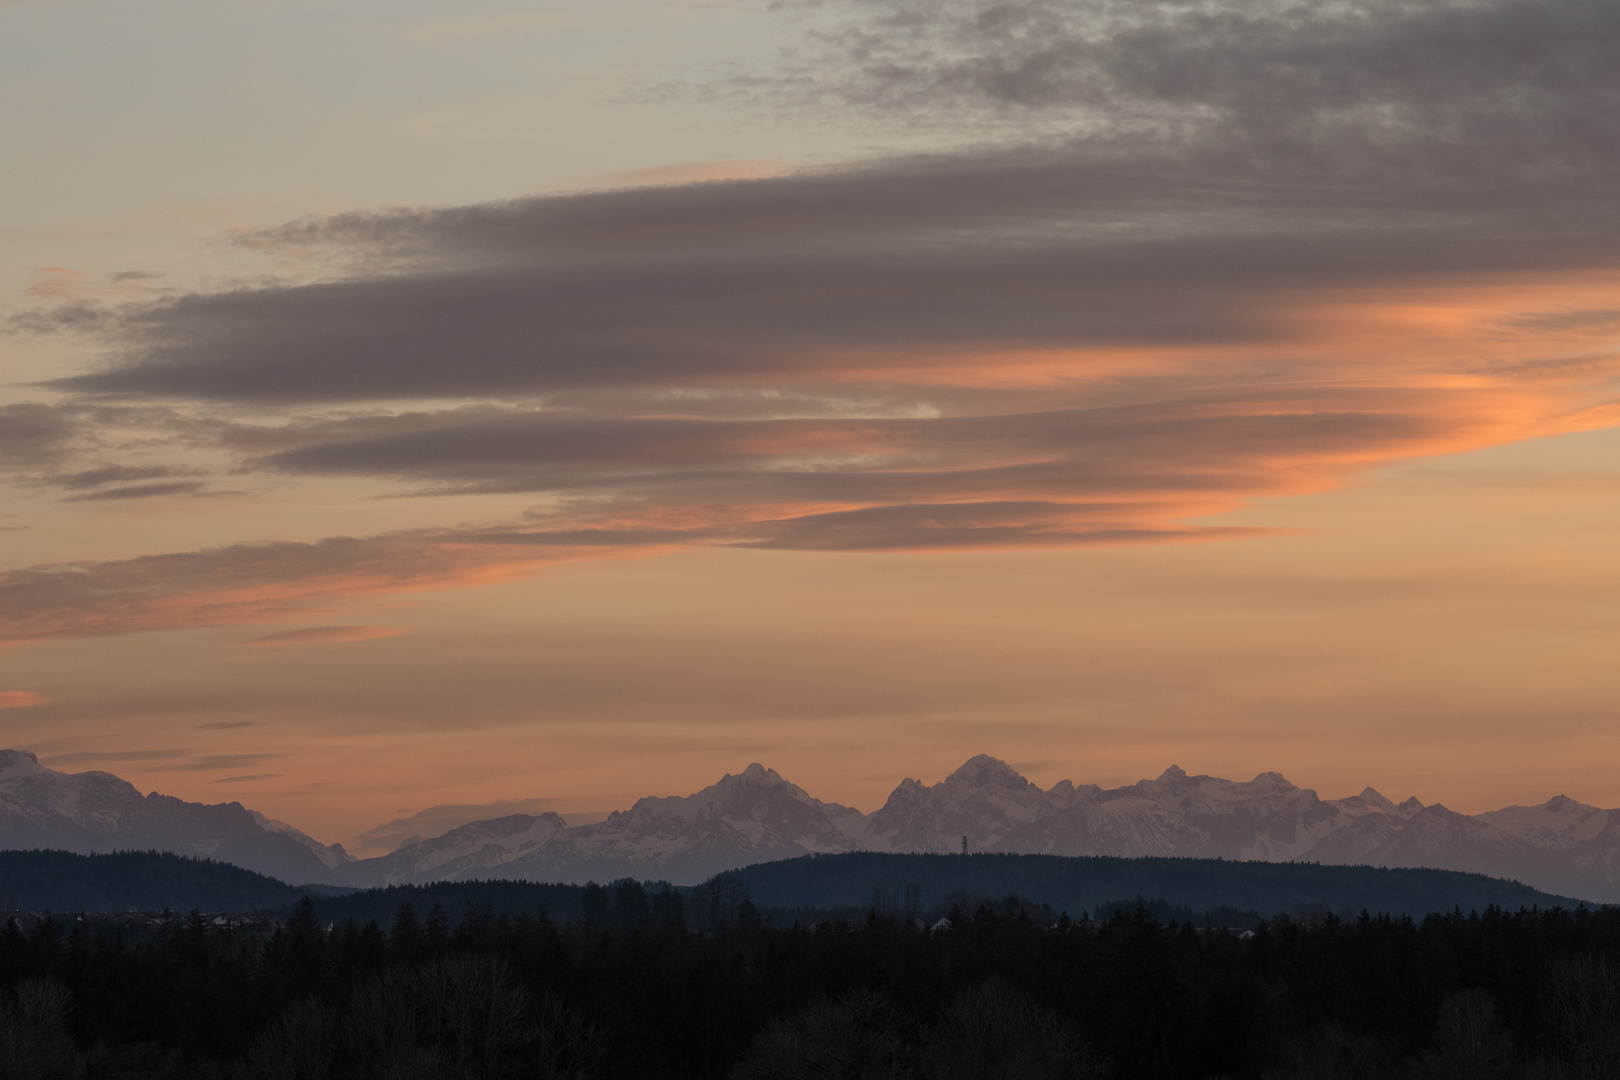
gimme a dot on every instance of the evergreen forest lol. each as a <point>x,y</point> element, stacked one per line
<point>656,983</point>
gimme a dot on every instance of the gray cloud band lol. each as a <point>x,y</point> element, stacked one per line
<point>1234,161</point>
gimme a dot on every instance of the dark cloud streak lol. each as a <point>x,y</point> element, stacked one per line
<point>783,321</point>
<point>139,491</point>
<point>216,762</point>
<point>114,474</point>
<point>33,433</point>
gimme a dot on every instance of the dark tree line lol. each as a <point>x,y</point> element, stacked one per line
<point>652,984</point>
<point>133,880</point>
<point>1073,882</point>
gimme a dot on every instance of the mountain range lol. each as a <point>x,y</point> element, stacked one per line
<point>755,816</point>
<point>1561,846</point>
<point>93,813</point>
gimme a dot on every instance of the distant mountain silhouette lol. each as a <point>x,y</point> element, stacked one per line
<point>1562,847</point>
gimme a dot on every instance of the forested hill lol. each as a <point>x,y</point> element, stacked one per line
<point>152,881</point>
<point>134,881</point>
<point>1088,883</point>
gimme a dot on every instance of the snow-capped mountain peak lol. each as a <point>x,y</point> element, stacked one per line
<point>985,801</point>
<point>1561,823</point>
<point>1371,799</point>
<point>982,769</point>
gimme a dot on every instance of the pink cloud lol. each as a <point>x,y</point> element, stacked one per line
<point>59,283</point>
<point>19,699</point>
<point>252,583</point>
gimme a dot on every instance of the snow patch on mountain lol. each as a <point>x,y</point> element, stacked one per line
<point>331,855</point>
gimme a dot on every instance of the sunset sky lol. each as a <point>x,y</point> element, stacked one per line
<point>411,403</point>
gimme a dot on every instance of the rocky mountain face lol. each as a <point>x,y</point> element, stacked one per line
<point>1562,846</point>
<point>96,812</point>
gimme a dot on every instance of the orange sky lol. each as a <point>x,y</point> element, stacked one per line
<point>1090,418</point>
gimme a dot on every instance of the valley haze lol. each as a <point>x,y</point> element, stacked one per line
<point>1562,846</point>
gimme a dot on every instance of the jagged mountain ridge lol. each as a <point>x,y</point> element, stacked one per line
<point>1562,846</point>
<point>750,817</point>
<point>92,813</point>
<point>757,816</point>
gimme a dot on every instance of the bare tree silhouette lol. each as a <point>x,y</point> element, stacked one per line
<point>992,1032</point>
<point>463,1016</point>
<point>297,1045</point>
<point>1583,1007</point>
<point>34,1039</point>
<point>567,1046</point>
<point>1332,1053</point>
<point>988,1032</point>
<point>1470,1042</point>
<point>861,1036</point>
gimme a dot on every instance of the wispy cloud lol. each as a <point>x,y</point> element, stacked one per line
<point>112,755</point>
<point>253,583</point>
<point>214,762</point>
<point>689,172</point>
<point>328,635</point>
<point>139,491</point>
<point>20,699</point>
<point>60,283</point>
<point>113,474</point>
<point>173,761</point>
